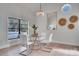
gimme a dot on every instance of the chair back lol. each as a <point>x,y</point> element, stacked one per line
<point>50,37</point>
<point>23,39</point>
<point>42,36</point>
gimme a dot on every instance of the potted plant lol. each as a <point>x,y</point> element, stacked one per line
<point>34,29</point>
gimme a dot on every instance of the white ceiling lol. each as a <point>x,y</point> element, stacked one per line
<point>29,9</point>
<point>33,7</point>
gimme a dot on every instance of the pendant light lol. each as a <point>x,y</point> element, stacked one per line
<point>40,12</point>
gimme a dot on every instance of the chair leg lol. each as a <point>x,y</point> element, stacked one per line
<point>28,50</point>
<point>22,52</point>
<point>46,49</point>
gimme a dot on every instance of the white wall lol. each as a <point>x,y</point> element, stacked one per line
<point>3,29</point>
<point>63,34</point>
<point>41,22</point>
<point>15,10</point>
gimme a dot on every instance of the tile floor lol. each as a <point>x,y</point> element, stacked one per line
<point>57,50</point>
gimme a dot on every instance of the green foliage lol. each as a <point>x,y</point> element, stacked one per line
<point>34,28</point>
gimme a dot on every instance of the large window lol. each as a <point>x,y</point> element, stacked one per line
<point>23,26</point>
<point>15,26</point>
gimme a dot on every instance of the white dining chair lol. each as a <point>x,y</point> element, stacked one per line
<point>46,41</point>
<point>24,38</point>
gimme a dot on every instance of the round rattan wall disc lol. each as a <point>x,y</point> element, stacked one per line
<point>73,19</point>
<point>71,26</point>
<point>62,21</point>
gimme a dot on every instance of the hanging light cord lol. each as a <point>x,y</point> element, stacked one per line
<point>40,6</point>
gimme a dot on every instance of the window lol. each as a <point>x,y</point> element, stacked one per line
<point>23,26</point>
<point>15,26</point>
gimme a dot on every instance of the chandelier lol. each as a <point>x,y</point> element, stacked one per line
<point>40,12</point>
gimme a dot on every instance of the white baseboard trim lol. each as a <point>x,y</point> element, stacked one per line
<point>4,46</point>
<point>14,43</point>
<point>9,45</point>
<point>65,43</point>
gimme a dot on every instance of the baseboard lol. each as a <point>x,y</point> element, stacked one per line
<point>9,45</point>
<point>4,46</point>
<point>14,43</point>
<point>65,43</point>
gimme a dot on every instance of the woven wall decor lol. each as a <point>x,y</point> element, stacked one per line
<point>62,21</point>
<point>71,26</point>
<point>73,19</point>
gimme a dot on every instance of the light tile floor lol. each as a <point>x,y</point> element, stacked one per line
<point>57,50</point>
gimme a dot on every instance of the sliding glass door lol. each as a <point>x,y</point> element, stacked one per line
<point>15,27</point>
<point>23,26</point>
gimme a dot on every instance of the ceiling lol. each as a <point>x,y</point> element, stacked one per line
<point>29,9</point>
<point>33,7</point>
